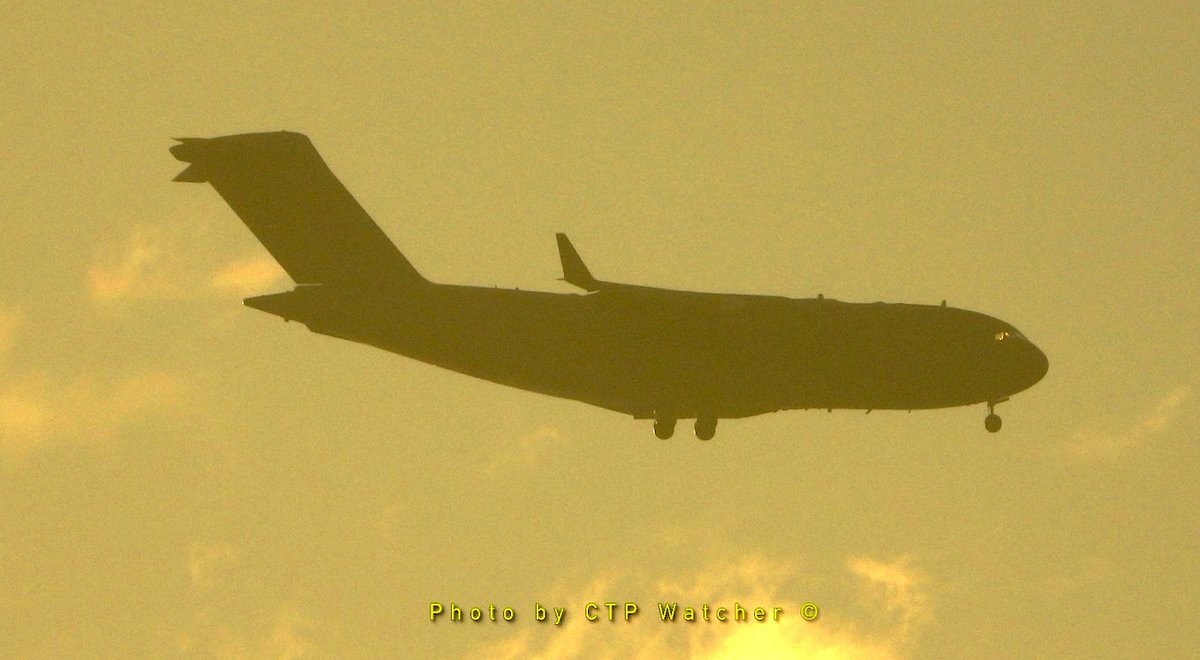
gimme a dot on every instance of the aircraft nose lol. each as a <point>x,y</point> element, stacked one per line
<point>1039,363</point>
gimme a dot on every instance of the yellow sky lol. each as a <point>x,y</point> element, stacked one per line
<point>182,475</point>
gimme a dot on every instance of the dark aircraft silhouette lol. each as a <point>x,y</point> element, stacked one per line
<point>651,353</point>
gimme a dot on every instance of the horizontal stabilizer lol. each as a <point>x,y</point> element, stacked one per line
<point>304,303</point>
<point>191,175</point>
<point>574,270</point>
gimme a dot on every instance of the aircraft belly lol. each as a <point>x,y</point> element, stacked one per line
<point>546,352</point>
<point>590,354</point>
<point>645,360</point>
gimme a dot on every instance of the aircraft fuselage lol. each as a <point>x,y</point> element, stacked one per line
<point>655,352</point>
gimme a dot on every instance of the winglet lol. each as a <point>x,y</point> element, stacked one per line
<point>574,271</point>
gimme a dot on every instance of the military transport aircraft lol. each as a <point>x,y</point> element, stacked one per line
<point>651,353</point>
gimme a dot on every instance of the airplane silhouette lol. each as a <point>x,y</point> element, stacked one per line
<point>651,353</point>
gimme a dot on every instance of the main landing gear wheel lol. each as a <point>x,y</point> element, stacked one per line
<point>664,428</point>
<point>992,421</point>
<point>706,427</point>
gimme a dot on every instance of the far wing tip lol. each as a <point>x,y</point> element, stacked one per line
<point>574,270</point>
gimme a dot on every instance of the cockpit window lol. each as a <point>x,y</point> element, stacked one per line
<point>1008,334</point>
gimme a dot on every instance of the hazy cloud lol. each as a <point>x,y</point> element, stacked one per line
<point>37,406</point>
<point>249,276</point>
<point>207,561</point>
<point>220,627</point>
<point>1092,444</point>
<point>283,635</point>
<point>140,268</point>
<point>289,635</point>
<point>899,590</point>
<point>892,590</point>
<point>24,418</point>
<point>175,262</point>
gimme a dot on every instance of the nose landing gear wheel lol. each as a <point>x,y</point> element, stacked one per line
<point>992,423</point>
<point>664,428</point>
